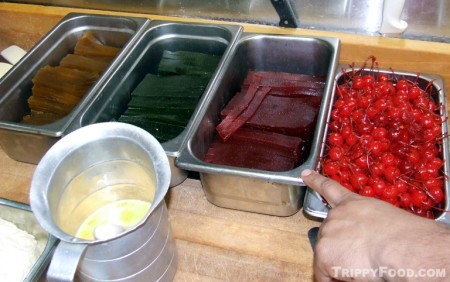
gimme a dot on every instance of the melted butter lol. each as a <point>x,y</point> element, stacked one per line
<point>123,213</point>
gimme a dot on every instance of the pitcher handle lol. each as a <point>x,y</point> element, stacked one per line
<point>65,261</point>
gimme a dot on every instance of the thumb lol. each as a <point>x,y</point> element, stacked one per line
<point>331,190</point>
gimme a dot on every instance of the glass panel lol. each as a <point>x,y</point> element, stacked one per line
<point>426,18</point>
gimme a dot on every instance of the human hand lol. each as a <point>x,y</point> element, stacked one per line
<point>365,239</point>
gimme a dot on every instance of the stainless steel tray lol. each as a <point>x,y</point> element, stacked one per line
<point>111,100</point>
<point>28,143</point>
<point>314,206</point>
<point>274,193</point>
<point>20,214</point>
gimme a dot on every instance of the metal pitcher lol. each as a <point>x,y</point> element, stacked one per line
<point>100,190</point>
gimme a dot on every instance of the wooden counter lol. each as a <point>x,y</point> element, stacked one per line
<point>213,243</point>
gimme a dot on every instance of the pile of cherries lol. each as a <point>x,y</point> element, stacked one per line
<point>385,140</point>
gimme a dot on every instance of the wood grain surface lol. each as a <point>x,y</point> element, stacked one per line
<point>213,243</point>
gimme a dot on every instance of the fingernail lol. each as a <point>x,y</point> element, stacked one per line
<point>306,172</point>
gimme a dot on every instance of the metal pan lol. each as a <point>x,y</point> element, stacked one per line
<point>28,143</point>
<point>314,205</point>
<point>112,99</point>
<point>20,214</point>
<point>268,192</point>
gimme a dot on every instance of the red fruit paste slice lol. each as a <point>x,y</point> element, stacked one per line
<point>291,105</point>
<point>269,122</point>
<point>295,116</point>
<point>257,149</point>
<point>287,115</point>
<point>234,121</point>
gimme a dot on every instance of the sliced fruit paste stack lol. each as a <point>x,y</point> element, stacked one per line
<point>58,89</point>
<point>268,124</point>
<point>163,103</point>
